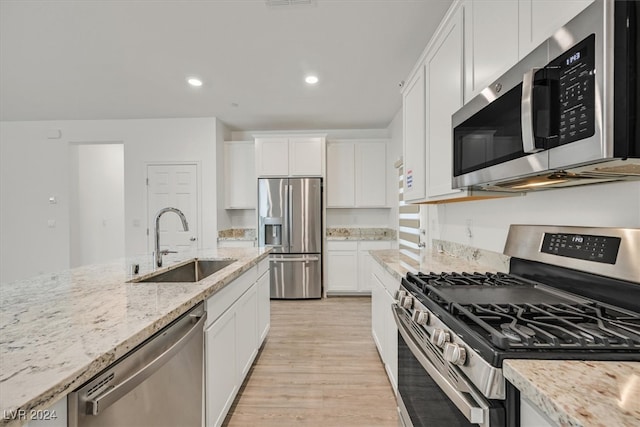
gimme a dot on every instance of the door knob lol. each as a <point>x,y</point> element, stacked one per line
<point>193,239</point>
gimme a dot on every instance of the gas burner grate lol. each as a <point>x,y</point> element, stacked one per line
<point>563,326</point>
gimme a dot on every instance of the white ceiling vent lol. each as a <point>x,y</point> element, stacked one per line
<point>282,3</point>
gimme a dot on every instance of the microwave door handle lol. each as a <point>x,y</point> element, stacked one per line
<point>528,140</point>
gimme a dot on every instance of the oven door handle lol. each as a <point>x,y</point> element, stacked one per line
<point>477,413</point>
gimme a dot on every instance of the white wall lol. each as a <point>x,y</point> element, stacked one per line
<point>600,205</point>
<point>97,203</point>
<point>34,167</point>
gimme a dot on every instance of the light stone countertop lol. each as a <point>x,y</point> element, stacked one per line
<point>572,393</point>
<point>59,330</point>
<point>580,393</point>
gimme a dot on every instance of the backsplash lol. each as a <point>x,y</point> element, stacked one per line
<point>237,234</point>
<point>495,260</point>
<point>361,233</point>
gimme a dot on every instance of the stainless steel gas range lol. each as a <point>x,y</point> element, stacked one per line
<point>571,293</point>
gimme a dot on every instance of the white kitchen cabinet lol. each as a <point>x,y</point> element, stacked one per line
<point>490,42</point>
<point>413,147</point>
<point>236,243</point>
<point>290,156</point>
<point>342,261</point>
<point>240,175</point>
<point>341,174</point>
<point>349,265</point>
<point>383,325</point>
<point>221,383</point>
<point>539,19</point>
<point>264,305</point>
<point>371,174</point>
<point>444,74</point>
<point>247,329</point>
<point>237,323</point>
<point>356,174</point>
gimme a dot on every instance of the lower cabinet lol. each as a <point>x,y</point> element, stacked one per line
<point>349,265</point>
<point>532,416</point>
<point>383,325</point>
<point>237,324</point>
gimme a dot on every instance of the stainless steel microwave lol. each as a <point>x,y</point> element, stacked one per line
<point>566,114</point>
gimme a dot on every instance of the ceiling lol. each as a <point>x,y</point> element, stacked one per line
<point>121,59</point>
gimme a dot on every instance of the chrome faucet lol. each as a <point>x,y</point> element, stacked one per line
<point>158,253</point>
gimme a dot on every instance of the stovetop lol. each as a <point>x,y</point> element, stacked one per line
<point>514,314</point>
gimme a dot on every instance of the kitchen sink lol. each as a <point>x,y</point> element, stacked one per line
<point>193,271</point>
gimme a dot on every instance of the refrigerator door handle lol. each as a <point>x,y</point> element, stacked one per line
<point>289,208</point>
<point>304,259</point>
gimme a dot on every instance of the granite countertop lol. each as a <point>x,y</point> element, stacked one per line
<point>360,233</point>
<point>59,330</point>
<point>580,393</point>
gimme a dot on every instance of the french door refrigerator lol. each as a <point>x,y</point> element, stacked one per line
<point>290,222</point>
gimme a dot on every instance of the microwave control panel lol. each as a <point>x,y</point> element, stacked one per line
<point>576,73</point>
<point>581,246</point>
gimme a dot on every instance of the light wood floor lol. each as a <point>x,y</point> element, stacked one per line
<point>318,367</point>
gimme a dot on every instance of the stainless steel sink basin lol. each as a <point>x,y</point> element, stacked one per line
<point>193,271</point>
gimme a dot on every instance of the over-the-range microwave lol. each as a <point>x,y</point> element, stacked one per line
<point>566,114</point>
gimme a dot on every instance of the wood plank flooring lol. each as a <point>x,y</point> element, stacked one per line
<point>318,367</point>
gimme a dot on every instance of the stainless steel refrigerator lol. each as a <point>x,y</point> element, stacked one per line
<point>290,221</point>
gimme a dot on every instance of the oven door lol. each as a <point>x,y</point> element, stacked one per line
<point>427,398</point>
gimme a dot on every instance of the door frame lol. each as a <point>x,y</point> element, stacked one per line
<point>198,166</point>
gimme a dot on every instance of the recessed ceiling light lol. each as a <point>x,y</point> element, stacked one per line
<point>311,80</point>
<point>193,81</point>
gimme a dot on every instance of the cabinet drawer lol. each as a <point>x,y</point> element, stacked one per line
<point>219,302</point>
<point>342,245</point>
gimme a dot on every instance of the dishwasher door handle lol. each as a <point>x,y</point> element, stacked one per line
<point>114,393</point>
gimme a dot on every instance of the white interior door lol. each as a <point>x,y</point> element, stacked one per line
<point>173,186</point>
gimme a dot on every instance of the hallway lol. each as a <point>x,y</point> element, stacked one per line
<point>319,367</point>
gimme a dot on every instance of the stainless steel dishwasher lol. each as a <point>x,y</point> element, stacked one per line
<point>159,383</point>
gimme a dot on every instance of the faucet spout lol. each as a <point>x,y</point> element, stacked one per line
<point>185,225</point>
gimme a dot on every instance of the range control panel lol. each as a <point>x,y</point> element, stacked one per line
<point>581,246</point>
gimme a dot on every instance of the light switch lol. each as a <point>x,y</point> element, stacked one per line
<point>53,200</point>
<point>51,223</point>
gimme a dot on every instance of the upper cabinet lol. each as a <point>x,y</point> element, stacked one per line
<point>539,19</point>
<point>413,147</point>
<point>356,174</point>
<point>290,156</point>
<point>490,42</point>
<point>240,175</point>
<point>443,77</point>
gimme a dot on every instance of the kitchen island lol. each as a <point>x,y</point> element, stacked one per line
<point>59,330</point>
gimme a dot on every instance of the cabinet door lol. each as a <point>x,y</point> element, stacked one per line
<point>272,156</point>
<point>371,174</point>
<point>264,306</point>
<point>365,270</point>
<point>377,321</point>
<point>342,265</point>
<point>414,153</point>
<point>240,175</point>
<point>247,325</point>
<point>220,367</point>
<point>490,42</point>
<point>444,97</point>
<point>340,175</point>
<point>305,156</point>
<point>391,340</point>
<point>539,19</point>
